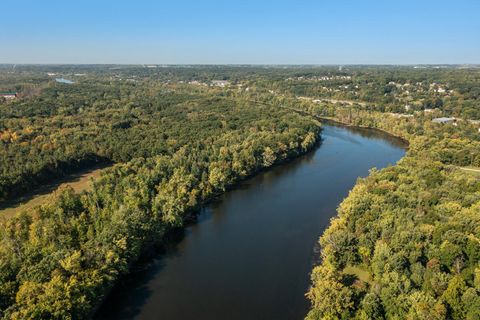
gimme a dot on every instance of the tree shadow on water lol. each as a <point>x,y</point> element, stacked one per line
<point>133,290</point>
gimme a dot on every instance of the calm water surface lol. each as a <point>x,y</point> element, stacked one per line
<point>251,252</point>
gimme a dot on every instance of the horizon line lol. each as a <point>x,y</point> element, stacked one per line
<point>235,64</point>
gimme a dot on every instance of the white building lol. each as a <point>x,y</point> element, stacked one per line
<point>220,83</point>
<point>8,95</point>
<point>445,120</point>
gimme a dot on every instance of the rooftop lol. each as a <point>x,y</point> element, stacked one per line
<point>443,120</point>
<point>62,80</point>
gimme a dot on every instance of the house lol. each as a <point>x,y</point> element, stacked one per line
<point>445,120</point>
<point>220,83</point>
<point>8,95</point>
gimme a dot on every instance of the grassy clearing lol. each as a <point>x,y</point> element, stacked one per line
<point>361,274</point>
<point>472,170</point>
<point>78,182</point>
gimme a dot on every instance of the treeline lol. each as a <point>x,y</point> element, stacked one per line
<point>58,261</point>
<point>406,242</point>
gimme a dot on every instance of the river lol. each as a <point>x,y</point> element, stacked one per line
<point>250,253</point>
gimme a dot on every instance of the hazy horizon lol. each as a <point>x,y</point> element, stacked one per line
<point>160,65</point>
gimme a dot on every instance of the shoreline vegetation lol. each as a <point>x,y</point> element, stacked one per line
<point>61,259</point>
<point>191,214</point>
<point>405,243</point>
<point>346,124</point>
<point>188,214</point>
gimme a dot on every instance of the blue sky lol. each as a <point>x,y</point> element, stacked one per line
<point>238,32</point>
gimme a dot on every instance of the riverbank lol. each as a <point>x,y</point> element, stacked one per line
<point>190,217</point>
<point>391,232</point>
<point>82,243</point>
<point>254,243</point>
<point>346,124</point>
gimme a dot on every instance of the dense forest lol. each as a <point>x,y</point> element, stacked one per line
<point>68,127</point>
<point>174,148</point>
<point>405,244</point>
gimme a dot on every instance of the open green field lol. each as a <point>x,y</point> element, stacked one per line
<point>78,182</point>
<point>361,274</point>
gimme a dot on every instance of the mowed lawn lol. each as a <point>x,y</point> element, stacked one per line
<point>78,181</point>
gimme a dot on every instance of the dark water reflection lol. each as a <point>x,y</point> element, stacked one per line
<point>250,254</point>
